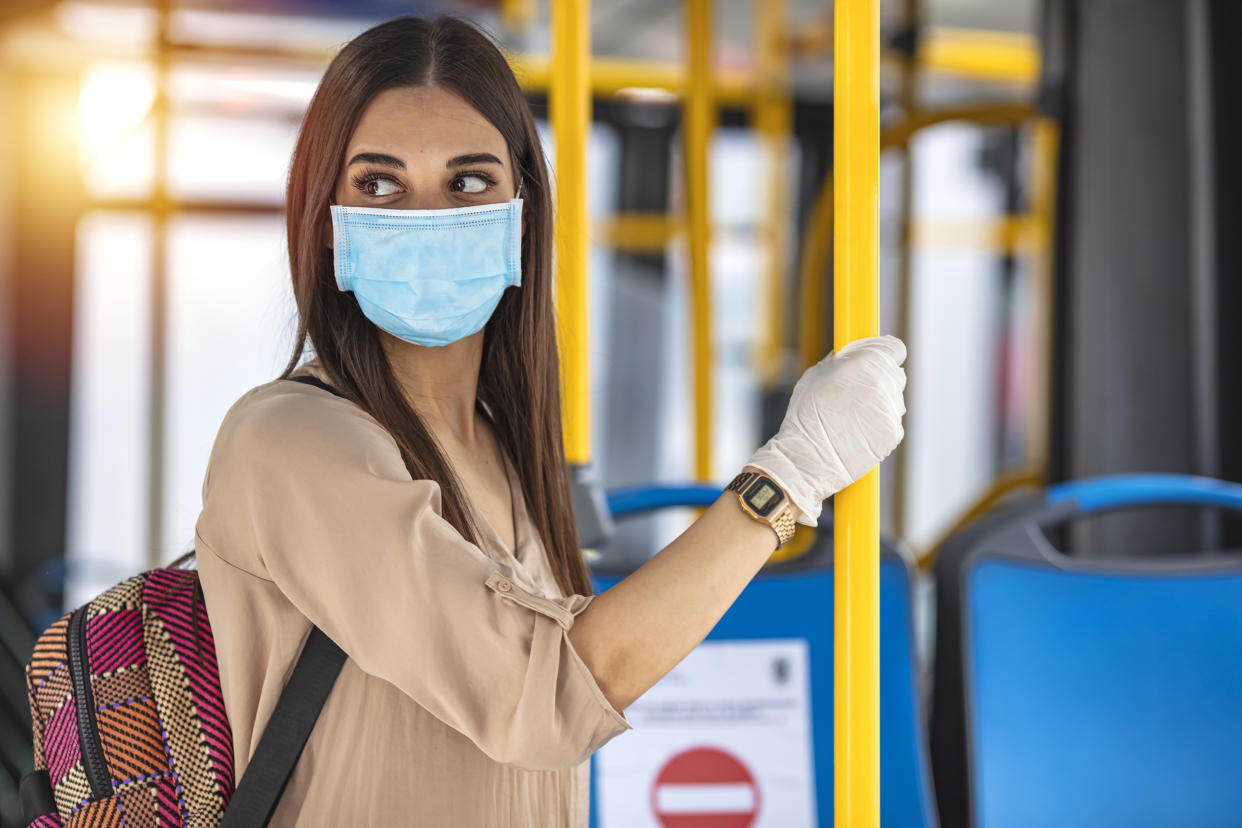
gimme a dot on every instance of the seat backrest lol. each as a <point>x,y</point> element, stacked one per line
<point>794,601</point>
<point>1082,692</point>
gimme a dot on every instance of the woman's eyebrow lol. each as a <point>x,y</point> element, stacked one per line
<point>377,158</point>
<point>472,158</point>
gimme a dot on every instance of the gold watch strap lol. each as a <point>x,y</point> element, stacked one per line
<point>740,482</point>
<point>783,523</point>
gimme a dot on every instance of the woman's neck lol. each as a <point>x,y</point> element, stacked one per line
<point>441,383</point>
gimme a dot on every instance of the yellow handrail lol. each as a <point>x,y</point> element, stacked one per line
<point>639,231</point>
<point>773,119</point>
<point>992,114</point>
<point>974,54</point>
<point>612,75</point>
<point>817,240</point>
<point>1028,234</point>
<point>1001,488</point>
<point>570,103</point>
<point>1016,234</point>
<point>856,282</point>
<point>981,55</point>
<point>697,124</point>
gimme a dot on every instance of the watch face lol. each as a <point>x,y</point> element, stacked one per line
<point>763,497</point>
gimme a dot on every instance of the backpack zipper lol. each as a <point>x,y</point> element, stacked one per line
<point>93,761</point>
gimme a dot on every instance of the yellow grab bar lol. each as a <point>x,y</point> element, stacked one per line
<point>570,103</point>
<point>773,119</point>
<point>697,123</point>
<point>981,55</point>
<point>613,76</point>
<point>816,239</point>
<point>856,160</point>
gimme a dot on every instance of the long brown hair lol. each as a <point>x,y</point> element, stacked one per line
<point>519,375</point>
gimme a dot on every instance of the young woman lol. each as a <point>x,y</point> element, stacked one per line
<point>422,518</point>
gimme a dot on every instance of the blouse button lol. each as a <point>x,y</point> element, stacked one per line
<point>503,586</point>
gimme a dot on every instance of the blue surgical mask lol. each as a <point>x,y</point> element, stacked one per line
<point>428,276</point>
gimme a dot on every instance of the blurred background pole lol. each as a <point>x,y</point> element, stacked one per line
<point>909,98</point>
<point>697,123</point>
<point>157,430</point>
<point>1045,144</point>
<point>570,104</point>
<point>856,159</point>
<point>773,118</point>
<point>518,16</point>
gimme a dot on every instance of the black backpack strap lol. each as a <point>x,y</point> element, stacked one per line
<point>307,379</point>
<point>35,794</point>
<point>297,709</point>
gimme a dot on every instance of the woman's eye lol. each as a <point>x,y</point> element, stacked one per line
<point>381,187</point>
<point>376,186</point>
<point>471,184</point>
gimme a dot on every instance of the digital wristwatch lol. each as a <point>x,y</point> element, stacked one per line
<point>765,502</point>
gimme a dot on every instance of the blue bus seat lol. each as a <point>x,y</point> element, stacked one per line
<point>1079,692</point>
<point>794,599</point>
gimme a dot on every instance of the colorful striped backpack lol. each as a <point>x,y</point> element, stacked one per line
<point>129,721</point>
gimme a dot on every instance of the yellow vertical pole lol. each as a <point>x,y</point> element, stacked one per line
<point>856,160</point>
<point>570,102</point>
<point>697,121</point>
<point>773,119</point>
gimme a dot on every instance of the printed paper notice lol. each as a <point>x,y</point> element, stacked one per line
<point>724,739</point>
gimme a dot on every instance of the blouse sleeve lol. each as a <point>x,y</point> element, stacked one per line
<point>310,492</point>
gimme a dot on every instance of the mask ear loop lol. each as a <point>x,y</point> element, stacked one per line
<point>518,194</point>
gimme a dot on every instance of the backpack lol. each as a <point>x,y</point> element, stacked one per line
<point>129,721</point>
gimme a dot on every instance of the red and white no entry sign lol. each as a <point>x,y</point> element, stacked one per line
<point>705,787</point>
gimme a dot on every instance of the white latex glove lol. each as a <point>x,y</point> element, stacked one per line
<point>844,417</point>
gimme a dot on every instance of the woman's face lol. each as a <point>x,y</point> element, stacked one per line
<point>424,148</point>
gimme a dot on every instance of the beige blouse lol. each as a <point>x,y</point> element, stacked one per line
<point>463,702</point>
